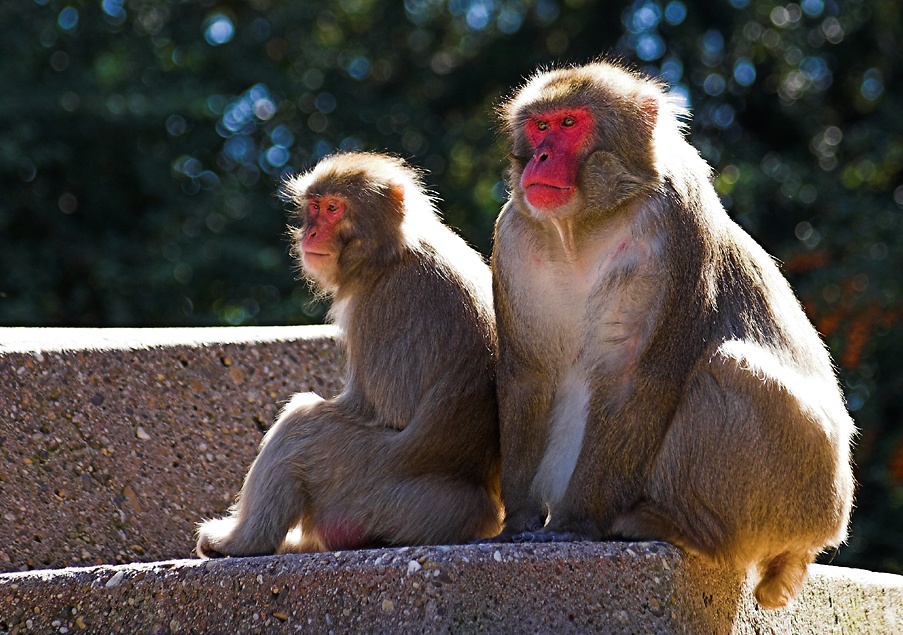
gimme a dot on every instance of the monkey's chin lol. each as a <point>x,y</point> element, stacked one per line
<point>320,269</point>
<point>568,207</point>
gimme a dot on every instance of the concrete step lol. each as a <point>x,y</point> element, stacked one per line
<point>114,443</point>
<point>576,588</point>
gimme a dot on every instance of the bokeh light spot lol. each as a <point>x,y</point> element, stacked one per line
<point>68,19</point>
<point>675,12</point>
<point>650,47</point>
<point>872,84</point>
<point>218,29</point>
<point>744,72</point>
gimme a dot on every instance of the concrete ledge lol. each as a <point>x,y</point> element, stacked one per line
<point>578,588</point>
<point>114,443</point>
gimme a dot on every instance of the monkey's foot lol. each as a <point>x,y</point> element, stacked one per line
<point>207,547</point>
<point>503,538</point>
<point>495,540</point>
<point>206,552</point>
<point>548,536</point>
<point>223,538</point>
<point>533,537</point>
<point>538,536</point>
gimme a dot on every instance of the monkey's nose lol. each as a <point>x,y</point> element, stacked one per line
<point>543,156</point>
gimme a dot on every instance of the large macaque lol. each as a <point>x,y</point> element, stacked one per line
<point>408,452</point>
<point>657,377</point>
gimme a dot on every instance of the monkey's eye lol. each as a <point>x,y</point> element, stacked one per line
<point>542,125</point>
<point>331,207</point>
<point>568,122</point>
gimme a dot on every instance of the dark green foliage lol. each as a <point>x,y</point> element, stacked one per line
<point>142,143</point>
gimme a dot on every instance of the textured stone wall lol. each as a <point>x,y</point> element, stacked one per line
<point>114,443</point>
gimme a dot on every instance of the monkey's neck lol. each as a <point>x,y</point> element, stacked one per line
<point>565,227</point>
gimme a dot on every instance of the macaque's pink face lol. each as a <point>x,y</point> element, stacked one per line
<point>558,138</point>
<point>318,246</point>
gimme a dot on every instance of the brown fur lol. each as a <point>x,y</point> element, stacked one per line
<point>408,452</point>
<point>657,377</point>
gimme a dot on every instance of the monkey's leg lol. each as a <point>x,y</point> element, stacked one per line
<point>366,489</point>
<point>271,499</point>
<point>647,522</point>
<point>751,469</point>
<point>432,509</point>
<point>644,522</point>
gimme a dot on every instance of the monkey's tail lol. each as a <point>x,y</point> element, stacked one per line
<point>782,577</point>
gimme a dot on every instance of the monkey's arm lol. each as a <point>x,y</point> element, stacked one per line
<point>523,416</point>
<point>525,401</point>
<point>610,476</point>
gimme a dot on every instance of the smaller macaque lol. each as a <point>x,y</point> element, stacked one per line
<point>657,378</point>
<point>408,452</point>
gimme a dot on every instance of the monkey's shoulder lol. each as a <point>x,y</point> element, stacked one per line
<point>424,289</point>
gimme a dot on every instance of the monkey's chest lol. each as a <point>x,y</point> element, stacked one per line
<point>585,321</point>
<point>554,308</point>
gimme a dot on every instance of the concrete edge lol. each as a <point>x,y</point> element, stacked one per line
<point>50,340</point>
<point>601,587</point>
<point>561,588</point>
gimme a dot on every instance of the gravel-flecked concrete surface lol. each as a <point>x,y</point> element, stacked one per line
<point>611,588</point>
<point>115,443</point>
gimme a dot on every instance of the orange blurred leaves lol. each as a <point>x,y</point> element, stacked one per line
<point>895,465</point>
<point>856,324</point>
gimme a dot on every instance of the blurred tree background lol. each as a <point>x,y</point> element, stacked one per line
<point>142,143</point>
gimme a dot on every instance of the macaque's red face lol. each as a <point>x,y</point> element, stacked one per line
<point>318,246</point>
<point>558,138</point>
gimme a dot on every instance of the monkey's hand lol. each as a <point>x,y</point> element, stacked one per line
<point>513,528</point>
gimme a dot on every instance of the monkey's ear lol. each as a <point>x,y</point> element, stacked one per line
<point>396,193</point>
<point>649,112</point>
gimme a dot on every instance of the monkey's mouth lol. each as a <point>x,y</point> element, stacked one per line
<point>314,258</point>
<point>548,196</point>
